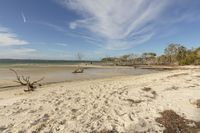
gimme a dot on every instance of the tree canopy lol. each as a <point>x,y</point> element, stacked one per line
<point>174,54</point>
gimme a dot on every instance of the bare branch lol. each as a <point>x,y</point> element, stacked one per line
<point>18,77</point>
<point>34,82</point>
<point>25,81</point>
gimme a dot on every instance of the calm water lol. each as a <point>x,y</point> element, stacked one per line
<point>58,71</point>
<point>53,62</point>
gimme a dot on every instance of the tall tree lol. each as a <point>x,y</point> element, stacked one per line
<point>171,52</point>
<point>181,54</point>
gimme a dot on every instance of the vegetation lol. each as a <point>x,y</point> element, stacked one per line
<point>174,54</point>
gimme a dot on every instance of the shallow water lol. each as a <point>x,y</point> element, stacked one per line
<point>60,73</point>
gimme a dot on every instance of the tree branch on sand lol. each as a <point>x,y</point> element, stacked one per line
<point>79,69</point>
<point>25,81</point>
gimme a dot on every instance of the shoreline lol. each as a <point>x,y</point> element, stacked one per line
<point>9,88</point>
<point>63,73</point>
<point>13,86</point>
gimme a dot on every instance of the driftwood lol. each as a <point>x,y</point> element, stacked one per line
<point>25,81</point>
<point>79,70</point>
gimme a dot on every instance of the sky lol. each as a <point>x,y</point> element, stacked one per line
<point>59,29</point>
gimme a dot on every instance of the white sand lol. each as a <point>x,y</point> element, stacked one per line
<point>86,106</point>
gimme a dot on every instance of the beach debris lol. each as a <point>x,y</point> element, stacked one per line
<point>134,101</point>
<point>131,116</point>
<point>74,110</point>
<point>113,130</point>
<point>2,128</point>
<point>146,89</point>
<point>198,76</point>
<point>149,90</point>
<point>22,131</point>
<point>198,103</point>
<point>172,88</point>
<point>79,70</point>
<point>177,75</point>
<point>154,94</point>
<point>107,131</point>
<point>25,81</point>
<point>174,123</point>
<point>191,86</point>
<point>60,128</point>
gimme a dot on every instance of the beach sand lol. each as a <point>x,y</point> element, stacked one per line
<point>120,104</point>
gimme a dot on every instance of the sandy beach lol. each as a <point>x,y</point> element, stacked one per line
<point>99,66</point>
<point>127,104</point>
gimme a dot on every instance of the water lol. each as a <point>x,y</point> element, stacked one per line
<point>59,71</point>
<point>57,62</point>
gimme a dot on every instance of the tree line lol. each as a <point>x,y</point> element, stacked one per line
<point>174,54</point>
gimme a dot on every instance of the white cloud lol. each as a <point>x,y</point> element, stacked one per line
<point>17,53</point>
<point>118,21</point>
<point>7,38</point>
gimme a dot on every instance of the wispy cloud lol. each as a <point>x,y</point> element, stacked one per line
<point>23,17</point>
<point>59,28</point>
<point>121,23</point>
<point>125,23</point>
<point>53,26</point>
<point>23,50</point>
<point>62,44</point>
<point>7,38</point>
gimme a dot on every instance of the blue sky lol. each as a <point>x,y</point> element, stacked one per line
<point>59,29</point>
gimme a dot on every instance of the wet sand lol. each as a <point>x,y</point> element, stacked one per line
<point>61,73</point>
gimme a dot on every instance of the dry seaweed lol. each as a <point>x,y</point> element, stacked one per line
<point>174,123</point>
